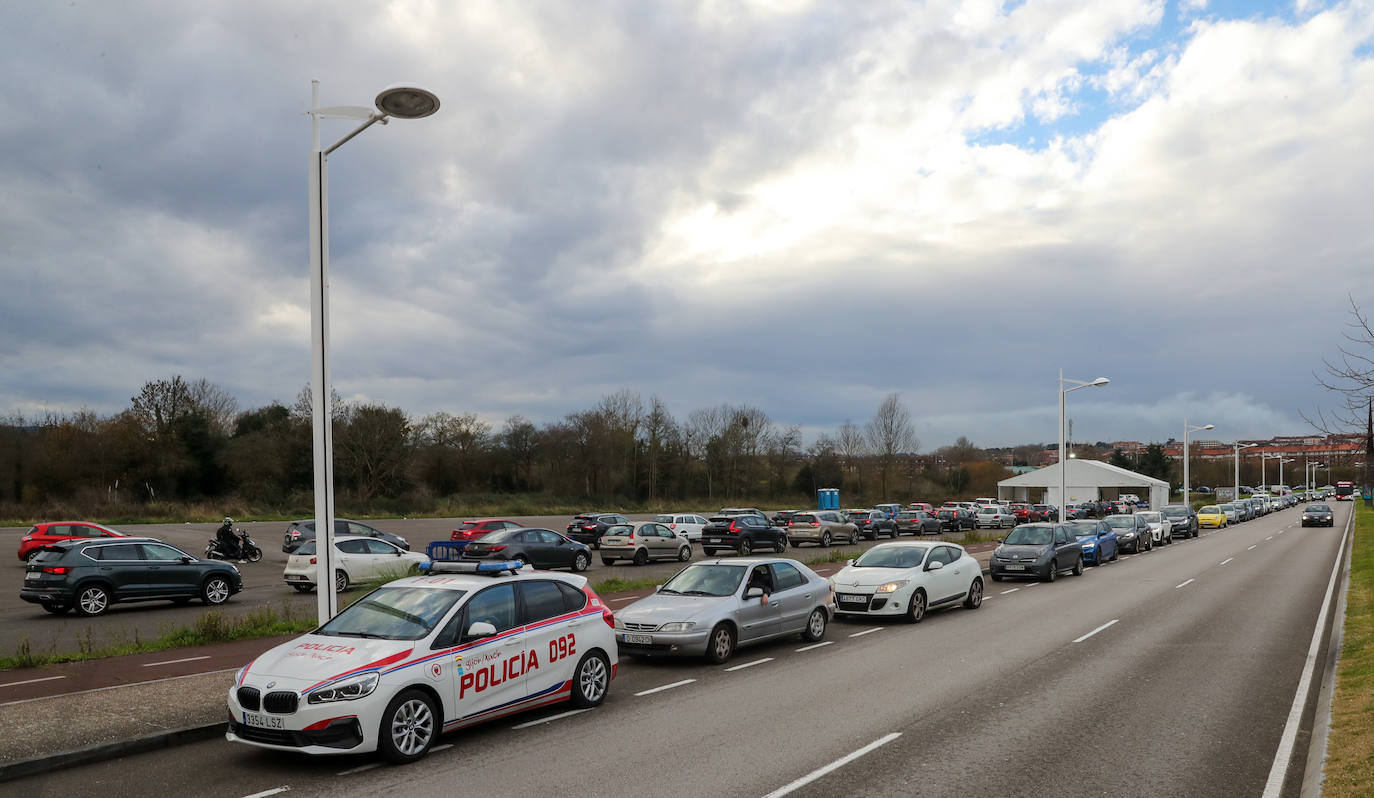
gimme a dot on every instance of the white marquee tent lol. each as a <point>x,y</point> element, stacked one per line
<point>1086,480</point>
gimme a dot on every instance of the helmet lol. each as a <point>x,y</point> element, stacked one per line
<point>228,521</point>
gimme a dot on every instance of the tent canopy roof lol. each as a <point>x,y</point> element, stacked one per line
<point>1083,473</point>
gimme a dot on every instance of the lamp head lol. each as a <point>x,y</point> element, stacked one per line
<point>1207,426</point>
<point>407,102</point>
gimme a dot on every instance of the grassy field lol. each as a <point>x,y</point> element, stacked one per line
<point>1350,750</point>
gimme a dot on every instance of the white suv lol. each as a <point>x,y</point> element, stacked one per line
<point>425,655</point>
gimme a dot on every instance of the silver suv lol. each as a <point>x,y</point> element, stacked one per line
<point>821,527</point>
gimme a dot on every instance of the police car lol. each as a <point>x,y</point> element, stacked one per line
<point>424,655</point>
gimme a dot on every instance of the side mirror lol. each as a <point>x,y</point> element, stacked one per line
<point>657,588</point>
<point>753,592</point>
<point>848,562</point>
<point>934,566</point>
<point>185,558</point>
<point>480,629</point>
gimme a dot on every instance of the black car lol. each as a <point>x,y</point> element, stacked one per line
<point>1182,520</point>
<point>298,532</point>
<point>742,533</point>
<point>589,527</point>
<point>917,522</point>
<point>782,517</point>
<point>873,524</point>
<point>90,574</point>
<point>542,548</point>
<point>1039,551</point>
<point>1318,515</point>
<point>955,519</point>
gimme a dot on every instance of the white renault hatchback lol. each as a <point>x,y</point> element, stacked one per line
<point>425,655</point>
<point>907,579</point>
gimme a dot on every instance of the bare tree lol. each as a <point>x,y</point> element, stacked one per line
<point>890,433</point>
<point>216,403</point>
<point>852,446</point>
<point>1352,380</point>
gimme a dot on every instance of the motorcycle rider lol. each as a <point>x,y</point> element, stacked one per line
<point>228,540</point>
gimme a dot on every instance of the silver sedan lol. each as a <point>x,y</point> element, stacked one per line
<point>712,607</point>
<point>995,516</point>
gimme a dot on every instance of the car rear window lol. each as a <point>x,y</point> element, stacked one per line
<point>803,518</point>
<point>307,547</point>
<point>48,555</point>
<point>664,519</point>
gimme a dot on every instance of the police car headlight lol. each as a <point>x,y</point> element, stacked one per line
<point>891,587</point>
<point>677,626</point>
<point>356,687</point>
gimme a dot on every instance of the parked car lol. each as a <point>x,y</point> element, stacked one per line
<point>781,517</point>
<point>1048,512</point>
<point>684,524</point>
<point>90,574</point>
<point>1025,513</point>
<point>542,548</point>
<point>1159,527</point>
<point>1182,520</point>
<point>1244,512</point>
<point>994,516</point>
<point>1131,532</point>
<point>743,511</point>
<point>40,535</point>
<point>469,531</point>
<point>587,528</point>
<point>821,527</point>
<point>1318,515</point>
<point>917,522</point>
<point>1040,551</point>
<point>922,506</point>
<point>642,541</point>
<point>1099,540</point>
<point>742,533</point>
<point>1211,516</point>
<point>956,519</point>
<point>298,532</point>
<point>1231,513</point>
<point>907,579</point>
<point>890,510</point>
<point>356,559</point>
<point>711,608</point>
<point>873,524</point>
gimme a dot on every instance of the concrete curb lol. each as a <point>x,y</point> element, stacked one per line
<point>99,752</point>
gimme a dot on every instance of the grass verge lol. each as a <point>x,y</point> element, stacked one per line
<point>1350,748</point>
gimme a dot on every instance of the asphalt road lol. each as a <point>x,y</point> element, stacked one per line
<point>1168,673</point>
<point>263,587</point>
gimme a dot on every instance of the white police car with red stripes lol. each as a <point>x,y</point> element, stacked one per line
<point>428,654</point>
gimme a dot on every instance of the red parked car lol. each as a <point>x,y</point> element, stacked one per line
<point>922,506</point>
<point>1025,513</point>
<point>469,531</point>
<point>40,535</point>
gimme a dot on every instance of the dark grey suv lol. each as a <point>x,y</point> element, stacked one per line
<point>91,574</point>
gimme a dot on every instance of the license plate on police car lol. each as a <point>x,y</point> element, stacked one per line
<point>1016,567</point>
<point>263,721</point>
<point>645,640</point>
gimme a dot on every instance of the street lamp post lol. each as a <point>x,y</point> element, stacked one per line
<point>1264,457</point>
<point>1283,460</point>
<point>1239,446</point>
<point>401,102</point>
<point>1187,428</point>
<point>1063,457</point>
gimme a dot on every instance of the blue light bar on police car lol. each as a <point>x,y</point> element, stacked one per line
<point>492,567</point>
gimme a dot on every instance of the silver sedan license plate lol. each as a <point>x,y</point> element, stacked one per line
<point>263,721</point>
<point>646,640</point>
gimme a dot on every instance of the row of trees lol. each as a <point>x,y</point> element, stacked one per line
<point>188,440</point>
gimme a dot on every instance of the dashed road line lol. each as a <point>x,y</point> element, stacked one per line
<point>1013,590</point>
<point>173,661</point>
<point>750,664</point>
<point>31,681</point>
<point>836,765</point>
<point>653,690</point>
<point>1252,547</point>
<point>626,598</point>
<point>1228,559</point>
<point>815,646</point>
<point>552,718</point>
<point>1095,631</point>
<point>867,631</point>
<point>266,793</point>
<point>1271,537</point>
<point>359,769</point>
<point>1184,584</point>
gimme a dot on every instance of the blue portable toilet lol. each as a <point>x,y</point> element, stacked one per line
<point>828,499</point>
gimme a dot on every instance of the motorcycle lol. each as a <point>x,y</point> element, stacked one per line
<point>214,549</point>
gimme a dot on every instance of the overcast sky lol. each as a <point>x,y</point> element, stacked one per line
<point>799,206</point>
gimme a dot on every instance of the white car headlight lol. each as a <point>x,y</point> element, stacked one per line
<point>891,587</point>
<point>356,687</point>
<point>677,626</point>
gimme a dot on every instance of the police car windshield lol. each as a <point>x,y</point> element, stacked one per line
<point>706,580</point>
<point>393,613</point>
<point>891,557</point>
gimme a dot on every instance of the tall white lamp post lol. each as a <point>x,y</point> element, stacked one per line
<point>1187,428</point>
<point>1263,459</point>
<point>400,102</point>
<point>1240,446</point>
<point>1283,460</point>
<point>1063,457</point>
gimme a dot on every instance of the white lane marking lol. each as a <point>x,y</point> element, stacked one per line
<point>1013,590</point>
<point>1185,584</point>
<point>31,681</point>
<point>1280,531</point>
<point>1252,547</point>
<point>1228,559</point>
<point>867,631</point>
<point>1095,631</point>
<point>1031,585</point>
<point>837,764</point>
<point>1271,537</point>
<point>1290,730</point>
<point>173,661</point>
<point>552,718</point>
<point>749,664</point>
<point>653,690</point>
<point>626,598</point>
<point>814,646</point>
<point>359,769</point>
<point>439,748</point>
<point>266,793</point>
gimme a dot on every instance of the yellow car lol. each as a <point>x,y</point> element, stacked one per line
<point>1211,516</point>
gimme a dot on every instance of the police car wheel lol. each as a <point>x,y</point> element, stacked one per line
<point>591,680</point>
<point>408,727</point>
<point>581,562</point>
